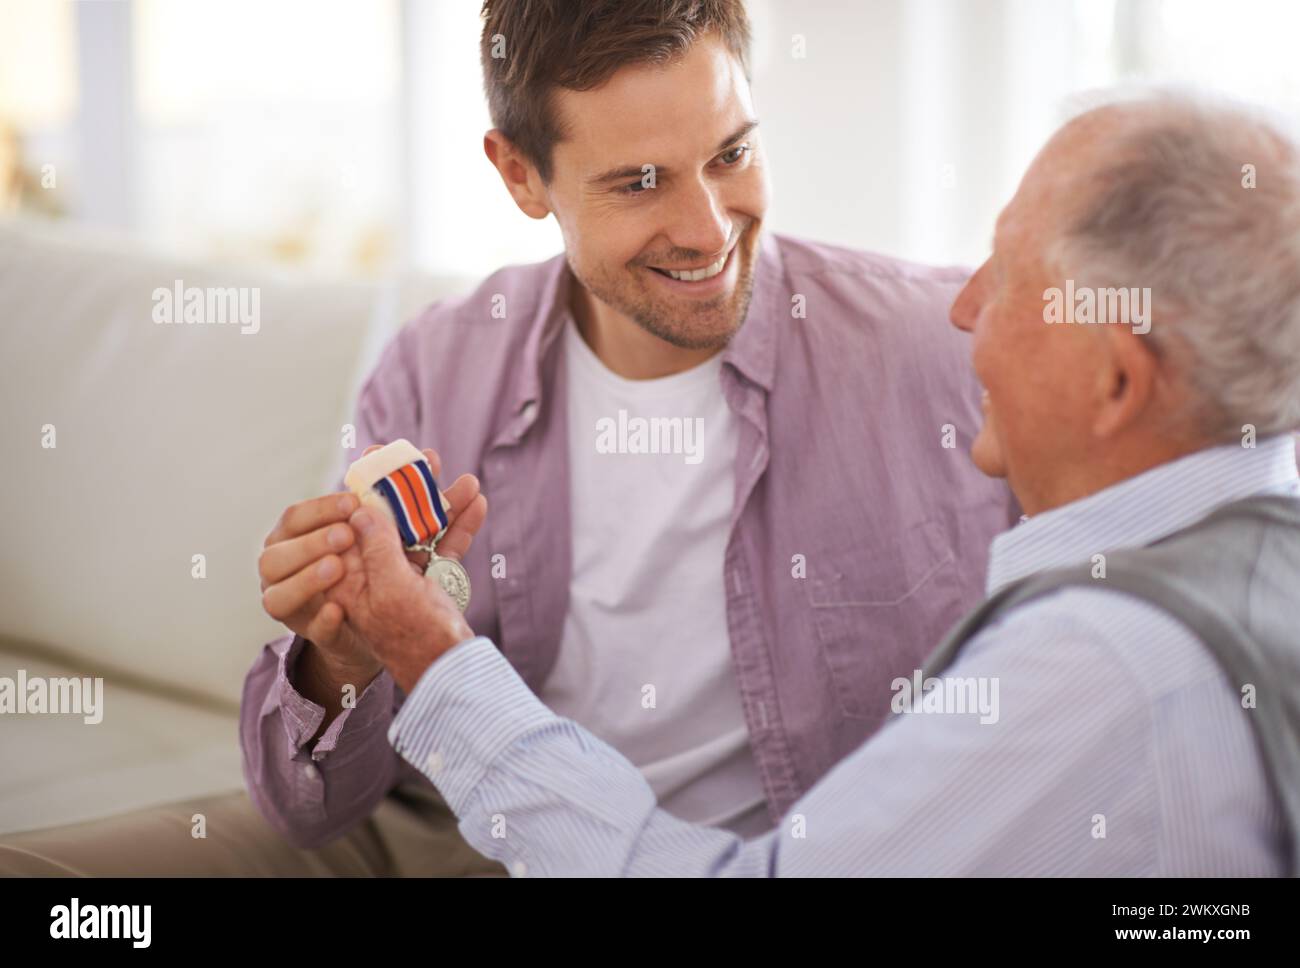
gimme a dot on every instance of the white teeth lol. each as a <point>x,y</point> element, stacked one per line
<point>706,273</point>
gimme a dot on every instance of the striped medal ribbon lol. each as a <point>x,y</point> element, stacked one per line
<point>412,495</point>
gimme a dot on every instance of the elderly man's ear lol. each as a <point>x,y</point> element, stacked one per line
<point>1128,375</point>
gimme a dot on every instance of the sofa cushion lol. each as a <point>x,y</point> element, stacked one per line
<point>171,441</point>
<point>145,749</point>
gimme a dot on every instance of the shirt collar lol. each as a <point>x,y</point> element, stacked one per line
<point>553,312</point>
<point>1142,509</point>
<point>526,390</point>
<point>752,351</point>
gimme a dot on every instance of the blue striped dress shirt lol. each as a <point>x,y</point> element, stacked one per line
<point>1116,745</point>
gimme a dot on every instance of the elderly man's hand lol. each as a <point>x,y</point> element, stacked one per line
<point>406,620</point>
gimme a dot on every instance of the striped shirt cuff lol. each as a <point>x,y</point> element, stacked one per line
<point>467,709</point>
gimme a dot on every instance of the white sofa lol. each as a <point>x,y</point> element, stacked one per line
<point>170,441</point>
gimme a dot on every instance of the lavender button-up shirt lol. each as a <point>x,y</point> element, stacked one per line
<point>858,531</point>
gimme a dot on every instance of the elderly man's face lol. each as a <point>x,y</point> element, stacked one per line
<point>1038,378</point>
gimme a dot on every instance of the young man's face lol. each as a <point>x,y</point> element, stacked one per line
<point>692,120</point>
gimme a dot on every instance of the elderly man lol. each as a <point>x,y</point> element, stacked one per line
<point>1138,644</point>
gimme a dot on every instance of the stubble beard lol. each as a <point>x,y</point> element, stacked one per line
<point>679,325</point>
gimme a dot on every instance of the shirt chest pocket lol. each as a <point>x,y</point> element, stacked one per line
<point>878,611</point>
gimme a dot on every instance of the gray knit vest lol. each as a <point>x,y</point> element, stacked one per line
<point>1233,579</point>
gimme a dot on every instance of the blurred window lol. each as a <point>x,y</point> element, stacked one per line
<point>269,129</point>
<point>38,103</point>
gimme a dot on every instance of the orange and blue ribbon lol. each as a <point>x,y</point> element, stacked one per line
<point>412,494</point>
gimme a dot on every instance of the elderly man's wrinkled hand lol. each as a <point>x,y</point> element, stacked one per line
<point>405,619</point>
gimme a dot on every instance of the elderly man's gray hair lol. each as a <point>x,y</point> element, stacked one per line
<point>1199,201</point>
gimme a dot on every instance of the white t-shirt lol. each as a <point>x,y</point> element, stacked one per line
<point>645,659</point>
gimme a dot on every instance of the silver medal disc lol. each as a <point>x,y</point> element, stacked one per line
<point>451,577</point>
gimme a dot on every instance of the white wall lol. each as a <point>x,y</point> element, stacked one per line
<point>904,127</point>
<point>907,125</point>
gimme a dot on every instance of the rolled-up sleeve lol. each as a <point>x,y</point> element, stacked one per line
<point>313,792</point>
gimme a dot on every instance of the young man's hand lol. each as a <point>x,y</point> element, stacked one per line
<point>301,560</point>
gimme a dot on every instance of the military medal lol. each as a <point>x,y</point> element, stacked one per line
<point>397,479</point>
<point>451,576</point>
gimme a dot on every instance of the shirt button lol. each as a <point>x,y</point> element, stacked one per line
<point>433,764</point>
<point>518,869</point>
<point>310,771</point>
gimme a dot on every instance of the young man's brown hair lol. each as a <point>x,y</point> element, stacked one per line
<point>529,47</point>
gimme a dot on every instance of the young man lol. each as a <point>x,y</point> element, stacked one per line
<point>727,511</point>
<point>729,611</point>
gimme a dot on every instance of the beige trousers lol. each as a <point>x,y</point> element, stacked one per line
<point>412,833</point>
